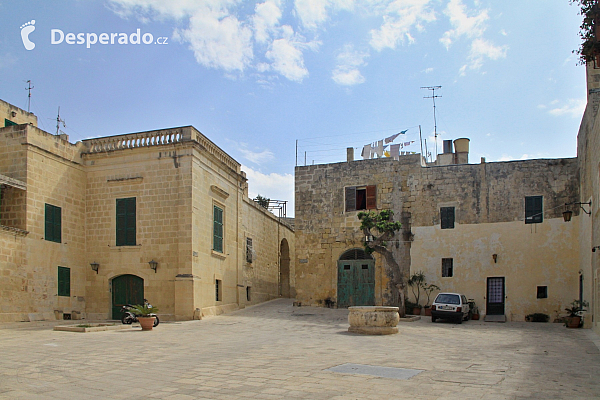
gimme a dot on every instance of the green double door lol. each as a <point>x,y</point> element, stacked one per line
<point>356,283</point>
<point>126,289</point>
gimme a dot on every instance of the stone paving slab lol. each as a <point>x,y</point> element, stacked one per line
<point>277,351</point>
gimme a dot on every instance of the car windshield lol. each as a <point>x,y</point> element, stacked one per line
<point>448,298</point>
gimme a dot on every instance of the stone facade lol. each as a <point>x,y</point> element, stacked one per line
<point>489,211</point>
<point>588,152</point>
<point>176,177</point>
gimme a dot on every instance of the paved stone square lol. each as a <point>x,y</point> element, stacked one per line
<point>276,351</point>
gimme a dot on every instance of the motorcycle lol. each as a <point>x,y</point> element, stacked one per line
<point>129,315</point>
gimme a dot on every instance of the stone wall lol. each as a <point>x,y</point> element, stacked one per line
<point>488,198</point>
<point>588,153</point>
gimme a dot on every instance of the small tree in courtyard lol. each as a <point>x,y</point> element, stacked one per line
<point>381,227</point>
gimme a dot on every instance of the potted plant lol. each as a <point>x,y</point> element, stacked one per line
<point>573,320</point>
<point>416,282</point>
<point>428,289</point>
<point>145,315</point>
<point>474,310</point>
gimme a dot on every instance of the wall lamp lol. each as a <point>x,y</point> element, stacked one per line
<point>595,248</point>
<point>95,266</point>
<point>567,214</point>
<point>495,257</point>
<point>153,265</point>
<point>368,238</point>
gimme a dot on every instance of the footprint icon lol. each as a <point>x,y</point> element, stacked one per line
<point>26,29</point>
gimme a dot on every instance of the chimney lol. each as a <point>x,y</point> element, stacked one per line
<point>461,151</point>
<point>350,154</point>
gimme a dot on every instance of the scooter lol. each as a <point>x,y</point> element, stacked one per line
<point>129,315</point>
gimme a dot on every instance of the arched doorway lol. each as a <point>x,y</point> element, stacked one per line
<point>356,279</point>
<point>126,289</point>
<point>284,269</point>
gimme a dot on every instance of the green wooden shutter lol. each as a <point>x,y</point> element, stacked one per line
<point>53,223</point>
<point>48,216</point>
<point>126,222</point>
<point>447,217</point>
<point>8,122</point>
<point>57,228</point>
<point>218,229</point>
<point>534,209</point>
<point>64,281</point>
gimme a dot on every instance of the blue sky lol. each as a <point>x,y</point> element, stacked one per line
<point>255,77</point>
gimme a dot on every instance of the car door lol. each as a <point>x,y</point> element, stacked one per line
<point>465,304</point>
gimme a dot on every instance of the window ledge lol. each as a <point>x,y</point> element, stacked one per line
<point>125,248</point>
<point>14,231</point>
<point>218,255</point>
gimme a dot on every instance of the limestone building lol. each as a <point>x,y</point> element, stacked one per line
<point>162,215</point>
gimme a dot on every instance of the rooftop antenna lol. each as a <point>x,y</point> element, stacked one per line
<point>28,88</point>
<point>433,96</point>
<point>58,121</point>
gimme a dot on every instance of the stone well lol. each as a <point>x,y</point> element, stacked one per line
<point>373,320</point>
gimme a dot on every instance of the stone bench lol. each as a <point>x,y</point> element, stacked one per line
<point>373,320</point>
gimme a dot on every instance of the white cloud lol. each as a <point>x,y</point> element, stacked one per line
<point>573,108</point>
<point>463,24</point>
<point>401,16</point>
<point>256,157</point>
<point>428,70</point>
<point>348,61</point>
<point>313,13</point>
<point>286,55</point>
<point>273,186</point>
<point>266,19</point>
<point>219,43</point>
<point>481,48</point>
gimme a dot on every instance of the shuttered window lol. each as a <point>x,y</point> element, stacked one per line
<point>447,267</point>
<point>217,229</point>
<point>64,281</point>
<point>447,217</point>
<point>126,222</point>
<point>8,122</point>
<point>361,198</point>
<point>53,223</point>
<point>534,213</point>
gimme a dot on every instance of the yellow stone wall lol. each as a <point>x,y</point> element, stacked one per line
<point>528,255</point>
<point>489,201</point>
<point>176,175</point>
<point>15,114</point>
<point>266,274</point>
<point>588,153</point>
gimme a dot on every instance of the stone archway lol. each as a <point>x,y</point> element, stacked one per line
<point>284,269</point>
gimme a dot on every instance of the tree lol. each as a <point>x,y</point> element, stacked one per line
<point>262,201</point>
<point>384,227</point>
<point>590,11</point>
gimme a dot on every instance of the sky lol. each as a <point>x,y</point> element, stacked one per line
<point>280,83</point>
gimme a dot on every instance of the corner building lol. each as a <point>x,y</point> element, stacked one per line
<point>162,215</point>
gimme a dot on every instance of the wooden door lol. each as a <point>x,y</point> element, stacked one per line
<point>126,289</point>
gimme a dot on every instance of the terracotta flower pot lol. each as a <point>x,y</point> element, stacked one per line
<point>475,317</point>
<point>573,322</point>
<point>428,311</point>
<point>146,323</point>
<point>417,311</point>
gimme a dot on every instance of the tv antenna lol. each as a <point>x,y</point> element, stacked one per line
<point>28,88</point>
<point>58,122</point>
<point>433,96</point>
